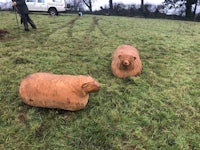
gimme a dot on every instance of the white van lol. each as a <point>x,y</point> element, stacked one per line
<point>53,7</point>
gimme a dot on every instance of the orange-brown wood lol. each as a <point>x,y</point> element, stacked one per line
<point>126,62</point>
<point>68,92</point>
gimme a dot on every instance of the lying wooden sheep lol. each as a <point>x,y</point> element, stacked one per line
<point>68,92</point>
<point>126,62</point>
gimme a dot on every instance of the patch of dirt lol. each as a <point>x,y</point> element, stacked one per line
<point>4,35</point>
<point>22,114</point>
<point>95,24</point>
<point>71,25</point>
<point>19,60</point>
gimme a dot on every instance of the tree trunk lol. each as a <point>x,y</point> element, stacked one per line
<point>142,6</point>
<point>142,3</point>
<point>188,11</point>
<point>111,5</point>
<point>195,9</point>
<point>88,4</point>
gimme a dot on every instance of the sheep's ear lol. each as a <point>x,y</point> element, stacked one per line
<point>84,85</point>
<point>132,58</point>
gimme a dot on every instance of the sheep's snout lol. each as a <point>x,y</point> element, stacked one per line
<point>126,63</point>
<point>93,86</point>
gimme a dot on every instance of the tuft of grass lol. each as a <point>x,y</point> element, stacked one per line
<point>160,109</point>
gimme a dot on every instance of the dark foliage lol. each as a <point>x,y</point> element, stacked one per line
<point>151,11</point>
<point>187,4</point>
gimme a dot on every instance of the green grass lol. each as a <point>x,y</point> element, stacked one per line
<point>160,109</point>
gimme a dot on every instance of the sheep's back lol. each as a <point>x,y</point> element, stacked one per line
<point>54,91</point>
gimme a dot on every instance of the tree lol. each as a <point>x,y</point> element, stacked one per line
<point>195,7</point>
<point>76,5</point>
<point>88,3</point>
<point>111,5</point>
<point>188,5</point>
<point>142,5</point>
<point>181,3</point>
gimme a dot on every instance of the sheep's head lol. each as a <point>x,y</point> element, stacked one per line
<point>126,62</point>
<point>92,86</point>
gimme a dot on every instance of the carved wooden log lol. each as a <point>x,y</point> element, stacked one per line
<point>126,62</point>
<point>68,92</point>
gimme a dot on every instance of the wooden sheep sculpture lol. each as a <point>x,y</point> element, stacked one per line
<point>126,62</point>
<point>68,92</point>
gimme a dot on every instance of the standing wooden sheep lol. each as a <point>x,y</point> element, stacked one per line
<point>126,62</point>
<point>68,92</point>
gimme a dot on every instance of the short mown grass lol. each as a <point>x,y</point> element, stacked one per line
<point>160,109</point>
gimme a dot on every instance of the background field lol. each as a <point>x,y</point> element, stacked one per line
<point>158,110</point>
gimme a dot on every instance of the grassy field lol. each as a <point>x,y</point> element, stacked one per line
<point>160,109</point>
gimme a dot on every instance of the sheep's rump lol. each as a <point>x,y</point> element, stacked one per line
<point>126,62</point>
<point>68,92</point>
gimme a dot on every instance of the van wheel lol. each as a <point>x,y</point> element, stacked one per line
<point>53,12</point>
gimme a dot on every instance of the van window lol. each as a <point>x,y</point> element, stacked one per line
<point>68,5</point>
<point>40,1</point>
<point>57,0</point>
<point>31,0</point>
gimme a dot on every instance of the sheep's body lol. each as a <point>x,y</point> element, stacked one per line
<point>66,92</point>
<point>126,62</point>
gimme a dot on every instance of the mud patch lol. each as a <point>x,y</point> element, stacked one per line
<point>71,24</point>
<point>3,34</point>
<point>19,60</point>
<point>22,114</point>
<point>95,24</point>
